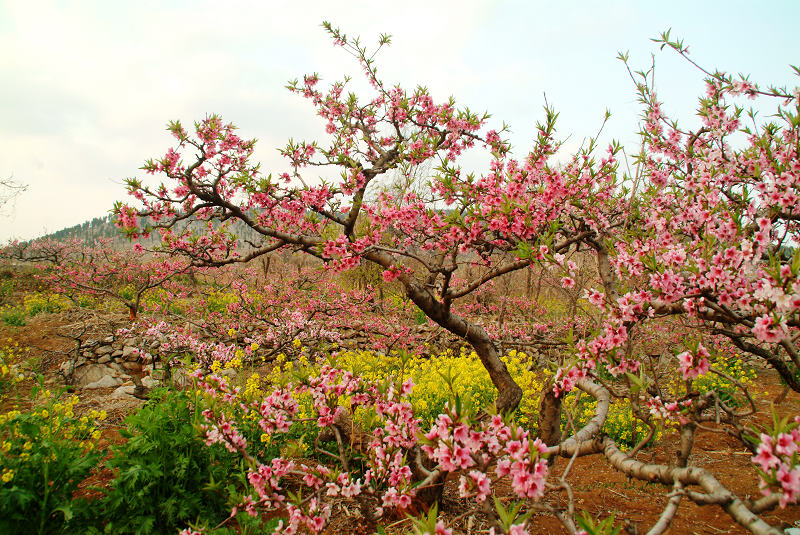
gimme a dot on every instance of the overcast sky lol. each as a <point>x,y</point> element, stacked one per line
<point>86,88</point>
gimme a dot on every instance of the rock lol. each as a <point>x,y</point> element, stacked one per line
<point>104,350</point>
<point>118,366</point>
<point>228,372</point>
<point>107,381</point>
<point>117,353</point>
<point>127,383</point>
<point>124,392</point>
<point>104,359</point>
<point>70,366</point>
<point>91,373</point>
<point>149,382</point>
<point>109,339</point>
<point>130,353</point>
<point>88,354</point>
<point>132,366</point>
<point>147,358</point>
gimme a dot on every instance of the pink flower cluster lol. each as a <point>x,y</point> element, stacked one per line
<point>224,432</point>
<point>694,365</point>
<point>457,443</point>
<point>668,410</point>
<point>778,457</point>
<point>387,473</point>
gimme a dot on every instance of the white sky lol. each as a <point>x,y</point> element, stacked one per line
<point>86,88</point>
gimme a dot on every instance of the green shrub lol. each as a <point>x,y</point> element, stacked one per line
<point>165,475</point>
<point>46,453</point>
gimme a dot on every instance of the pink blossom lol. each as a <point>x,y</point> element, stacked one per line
<point>765,458</point>
<point>766,331</point>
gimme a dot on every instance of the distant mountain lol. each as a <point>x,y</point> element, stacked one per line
<point>104,228</point>
<point>99,227</point>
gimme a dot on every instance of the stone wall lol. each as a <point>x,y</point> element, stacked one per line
<point>110,362</point>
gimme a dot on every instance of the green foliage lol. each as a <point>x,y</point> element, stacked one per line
<point>510,515</point>
<point>6,289</point>
<point>598,527</point>
<point>127,292</point>
<point>247,525</point>
<point>420,318</point>
<point>160,299</point>
<point>218,301</point>
<point>41,302</point>
<point>731,370</point>
<point>13,316</point>
<point>33,304</point>
<point>46,453</point>
<point>10,362</point>
<point>165,476</point>
<point>621,425</point>
<point>426,523</point>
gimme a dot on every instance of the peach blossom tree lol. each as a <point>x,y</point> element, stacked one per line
<point>703,232</point>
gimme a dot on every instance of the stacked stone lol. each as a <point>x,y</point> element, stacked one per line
<point>110,363</point>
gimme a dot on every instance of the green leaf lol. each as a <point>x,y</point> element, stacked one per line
<point>66,509</point>
<point>638,384</point>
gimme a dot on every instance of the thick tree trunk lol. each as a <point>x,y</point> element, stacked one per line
<point>509,394</point>
<point>550,418</point>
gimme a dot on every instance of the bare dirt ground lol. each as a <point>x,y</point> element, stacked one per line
<point>599,489</point>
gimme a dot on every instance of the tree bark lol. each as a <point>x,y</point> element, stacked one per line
<point>550,418</point>
<point>509,393</point>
